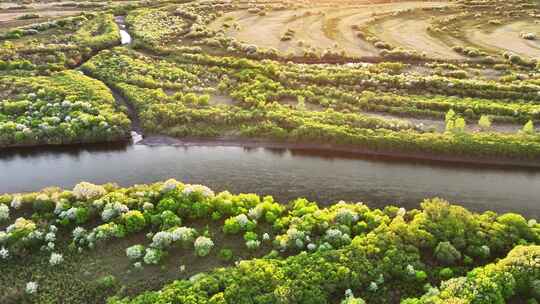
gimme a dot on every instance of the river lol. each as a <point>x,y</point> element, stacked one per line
<point>326,177</point>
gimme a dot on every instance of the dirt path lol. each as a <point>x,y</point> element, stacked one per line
<point>507,38</point>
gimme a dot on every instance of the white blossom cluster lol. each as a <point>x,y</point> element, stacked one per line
<point>203,245</point>
<point>293,237</point>
<point>88,191</point>
<point>78,233</point>
<point>253,244</point>
<point>4,213</point>
<point>242,220</point>
<point>56,259</point>
<point>337,237</point>
<point>31,288</point>
<point>148,206</point>
<point>113,210</point>
<point>183,234</point>
<point>205,191</point>
<point>346,216</point>
<point>70,214</point>
<point>410,270</point>
<point>162,239</point>
<point>16,202</point>
<point>169,185</point>
<point>4,253</point>
<point>255,213</point>
<point>135,252</point>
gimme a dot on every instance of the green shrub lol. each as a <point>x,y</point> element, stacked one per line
<point>447,254</point>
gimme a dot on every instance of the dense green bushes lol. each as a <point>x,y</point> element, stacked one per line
<point>61,109</point>
<point>517,274</point>
<point>313,255</point>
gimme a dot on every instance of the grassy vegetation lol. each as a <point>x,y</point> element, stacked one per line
<point>187,75</point>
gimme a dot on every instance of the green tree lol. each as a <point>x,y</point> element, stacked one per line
<point>528,128</point>
<point>460,124</point>
<point>450,116</point>
<point>484,123</point>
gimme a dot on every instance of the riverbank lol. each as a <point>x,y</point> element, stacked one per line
<point>351,150</point>
<point>159,140</point>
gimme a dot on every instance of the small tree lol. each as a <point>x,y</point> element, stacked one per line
<point>528,128</point>
<point>450,125</point>
<point>459,125</point>
<point>484,123</point>
<point>450,115</point>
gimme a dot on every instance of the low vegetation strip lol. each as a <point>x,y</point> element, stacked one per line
<point>260,90</point>
<point>93,242</point>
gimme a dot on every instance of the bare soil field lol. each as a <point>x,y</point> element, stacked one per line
<point>321,27</point>
<point>412,34</point>
<point>507,38</point>
<point>12,17</point>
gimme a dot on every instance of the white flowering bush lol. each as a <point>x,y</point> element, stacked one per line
<point>203,245</point>
<point>87,191</point>
<point>162,239</point>
<point>183,234</point>
<point>113,210</point>
<point>4,253</point>
<point>56,259</point>
<point>31,288</point>
<point>253,244</point>
<point>336,237</point>
<point>135,252</point>
<point>346,217</point>
<point>238,223</point>
<point>293,238</point>
<point>153,256</point>
<point>4,213</point>
<point>198,189</point>
<point>350,299</point>
<point>255,213</point>
<point>169,185</point>
<point>78,233</point>
<point>16,202</point>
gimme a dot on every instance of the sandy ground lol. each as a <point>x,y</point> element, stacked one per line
<point>412,34</point>
<point>9,20</point>
<point>326,27</point>
<point>507,38</point>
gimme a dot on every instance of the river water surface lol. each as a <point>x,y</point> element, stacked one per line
<point>326,177</point>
